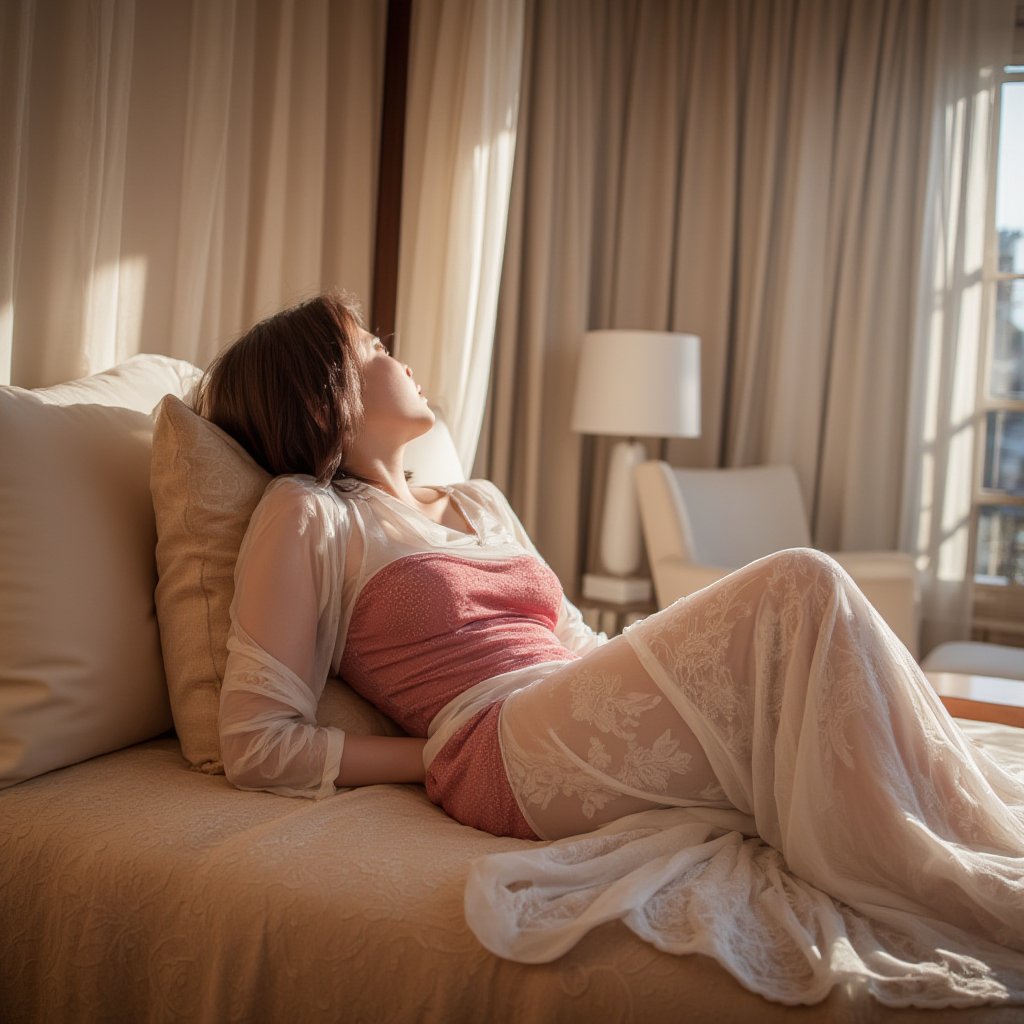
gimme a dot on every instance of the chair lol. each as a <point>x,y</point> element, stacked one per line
<point>701,524</point>
<point>974,658</point>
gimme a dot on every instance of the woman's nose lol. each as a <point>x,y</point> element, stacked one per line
<point>408,369</point>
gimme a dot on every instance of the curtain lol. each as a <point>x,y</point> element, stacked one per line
<point>972,43</point>
<point>752,173</point>
<point>172,172</point>
<point>464,80</point>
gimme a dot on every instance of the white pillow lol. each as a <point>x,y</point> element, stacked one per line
<point>80,666</point>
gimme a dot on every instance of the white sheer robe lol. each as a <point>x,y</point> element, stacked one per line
<point>767,776</point>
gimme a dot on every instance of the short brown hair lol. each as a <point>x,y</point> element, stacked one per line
<point>289,390</point>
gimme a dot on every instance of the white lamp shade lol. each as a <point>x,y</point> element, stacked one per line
<point>638,384</point>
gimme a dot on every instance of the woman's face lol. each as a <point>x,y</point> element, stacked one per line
<point>392,400</point>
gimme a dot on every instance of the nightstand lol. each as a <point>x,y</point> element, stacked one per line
<point>983,698</point>
<point>610,603</point>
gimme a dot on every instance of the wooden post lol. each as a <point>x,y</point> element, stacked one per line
<point>389,170</point>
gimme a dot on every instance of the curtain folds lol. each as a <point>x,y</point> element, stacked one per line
<point>800,183</point>
<point>752,173</point>
<point>464,80</point>
<point>15,33</point>
<point>972,43</point>
<point>172,172</point>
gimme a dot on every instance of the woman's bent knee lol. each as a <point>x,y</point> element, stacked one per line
<point>809,563</point>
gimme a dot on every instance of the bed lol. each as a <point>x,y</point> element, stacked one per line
<point>136,884</point>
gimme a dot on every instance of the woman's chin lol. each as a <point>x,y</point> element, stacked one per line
<point>425,420</point>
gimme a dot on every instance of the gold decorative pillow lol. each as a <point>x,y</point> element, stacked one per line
<point>205,487</point>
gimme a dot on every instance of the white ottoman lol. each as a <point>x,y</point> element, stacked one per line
<point>978,659</point>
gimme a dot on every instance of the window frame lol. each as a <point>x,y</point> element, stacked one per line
<point>997,610</point>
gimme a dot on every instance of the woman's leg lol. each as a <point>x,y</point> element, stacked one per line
<point>598,740</point>
<point>784,687</point>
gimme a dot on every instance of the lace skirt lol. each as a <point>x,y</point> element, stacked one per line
<point>779,699</point>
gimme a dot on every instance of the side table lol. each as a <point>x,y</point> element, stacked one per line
<point>982,698</point>
<point>612,617</point>
<point>610,603</point>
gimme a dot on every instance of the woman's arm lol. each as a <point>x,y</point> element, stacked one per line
<point>370,760</point>
<point>282,613</point>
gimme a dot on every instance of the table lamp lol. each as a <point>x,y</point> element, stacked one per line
<point>632,384</point>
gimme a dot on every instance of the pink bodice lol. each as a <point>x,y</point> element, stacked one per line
<point>428,626</point>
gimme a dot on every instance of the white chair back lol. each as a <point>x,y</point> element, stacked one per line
<point>723,517</point>
<point>700,524</point>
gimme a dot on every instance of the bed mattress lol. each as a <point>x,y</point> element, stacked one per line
<point>134,889</point>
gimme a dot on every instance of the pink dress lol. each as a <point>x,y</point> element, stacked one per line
<point>428,627</point>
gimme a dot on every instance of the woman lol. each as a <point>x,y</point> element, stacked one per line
<point>778,692</point>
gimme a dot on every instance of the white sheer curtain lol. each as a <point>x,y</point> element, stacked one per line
<point>972,42</point>
<point>464,80</point>
<point>173,171</point>
<point>755,174</point>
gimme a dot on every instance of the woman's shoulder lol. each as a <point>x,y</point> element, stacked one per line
<point>298,527</point>
<point>298,499</point>
<point>292,488</point>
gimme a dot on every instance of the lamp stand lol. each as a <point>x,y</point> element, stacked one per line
<point>621,542</point>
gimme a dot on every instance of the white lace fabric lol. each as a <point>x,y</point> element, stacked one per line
<point>823,818</point>
<point>306,556</point>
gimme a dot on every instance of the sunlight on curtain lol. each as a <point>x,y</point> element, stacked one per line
<point>172,172</point>
<point>112,308</point>
<point>15,32</point>
<point>464,78</point>
<point>750,173</point>
<point>6,333</point>
<point>969,43</point>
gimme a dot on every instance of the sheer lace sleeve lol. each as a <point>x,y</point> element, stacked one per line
<point>570,629</point>
<point>574,632</point>
<point>283,628</point>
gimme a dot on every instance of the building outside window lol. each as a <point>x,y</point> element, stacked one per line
<point>998,607</point>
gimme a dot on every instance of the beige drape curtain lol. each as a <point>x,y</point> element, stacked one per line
<point>463,97</point>
<point>797,182</point>
<point>951,315</point>
<point>750,172</point>
<point>173,171</point>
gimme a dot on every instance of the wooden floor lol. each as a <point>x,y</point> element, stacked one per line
<point>982,698</point>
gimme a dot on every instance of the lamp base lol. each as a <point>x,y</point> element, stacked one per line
<point>621,542</point>
<point>616,589</point>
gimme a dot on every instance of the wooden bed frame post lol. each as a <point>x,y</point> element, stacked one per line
<point>389,169</point>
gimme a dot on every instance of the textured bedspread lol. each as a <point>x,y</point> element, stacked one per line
<point>134,889</point>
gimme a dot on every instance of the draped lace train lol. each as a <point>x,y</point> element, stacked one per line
<point>761,773</point>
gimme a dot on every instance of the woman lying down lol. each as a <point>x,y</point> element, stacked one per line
<point>759,772</point>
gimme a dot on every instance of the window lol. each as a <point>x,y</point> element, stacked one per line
<point>999,494</point>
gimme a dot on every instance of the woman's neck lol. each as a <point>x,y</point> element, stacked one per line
<point>388,475</point>
<point>384,469</point>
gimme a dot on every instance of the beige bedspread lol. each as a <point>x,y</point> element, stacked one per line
<point>134,889</point>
